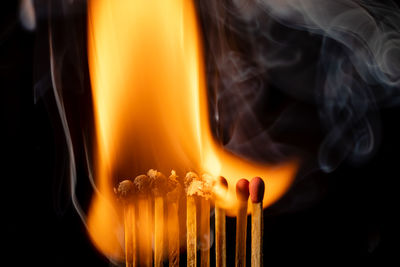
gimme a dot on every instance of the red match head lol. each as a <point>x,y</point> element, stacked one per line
<point>257,190</point>
<point>242,190</point>
<point>221,181</point>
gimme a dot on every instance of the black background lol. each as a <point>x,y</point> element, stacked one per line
<point>354,216</point>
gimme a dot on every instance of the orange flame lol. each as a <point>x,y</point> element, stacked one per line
<point>150,99</point>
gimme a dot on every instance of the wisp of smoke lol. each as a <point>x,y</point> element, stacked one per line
<point>353,70</point>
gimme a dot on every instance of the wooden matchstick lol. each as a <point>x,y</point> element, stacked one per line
<point>159,184</point>
<point>205,193</point>
<point>220,228</point>
<point>174,192</point>
<point>201,188</point>
<point>130,235</point>
<point>256,196</point>
<point>242,194</point>
<point>191,220</point>
<point>125,193</point>
<point>205,232</point>
<point>173,233</point>
<point>158,231</point>
<point>144,230</point>
<point>191,228</point>
<point>143,184</point>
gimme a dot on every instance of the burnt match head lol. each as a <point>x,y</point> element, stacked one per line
<point>242,190</point>
<point>174,187</point>
<point>143,183</point>
<point>189,178</point>
<point>198,185</point>
<point>173,181</point>
<point>159,182</point>
<point>125,189</point>
<point>257,188</point>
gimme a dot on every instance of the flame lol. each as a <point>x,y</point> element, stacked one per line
<point>150,100</point>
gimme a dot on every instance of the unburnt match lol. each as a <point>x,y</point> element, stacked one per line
<point>242,194</point>
<point>256,196</point>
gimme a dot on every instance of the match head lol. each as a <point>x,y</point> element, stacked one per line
<point>221,181</point>
<point>257,188</point>
<point>172,181</point>
<point>125,189</point>
<point>242,190</point>
<point>143,183</point>
<point>174,187</point>
<point>189,178</point>
<point>159,182</point>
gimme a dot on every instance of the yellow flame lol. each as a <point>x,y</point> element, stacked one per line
<point>150,105</point>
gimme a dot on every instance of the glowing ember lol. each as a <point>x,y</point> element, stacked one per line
<point>147,75</point>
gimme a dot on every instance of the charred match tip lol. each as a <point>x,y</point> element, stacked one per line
<point>221,181</point>
<point>242,190</point>
<point>173,187</point>
<point>159,182</point>
<point>172,181</point>
<point>257,188</point>
<point>143,183</point>
<point>125,189</point>
<point>189,177</point>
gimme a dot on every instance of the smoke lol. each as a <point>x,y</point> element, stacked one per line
<point>57,21</point>
<point>342,58</point>
<point>27,14</point>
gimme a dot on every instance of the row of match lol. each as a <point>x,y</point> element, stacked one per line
<point>155,198</point>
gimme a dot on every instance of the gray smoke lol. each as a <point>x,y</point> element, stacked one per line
<point>27,14</point>
<point>341,56</point>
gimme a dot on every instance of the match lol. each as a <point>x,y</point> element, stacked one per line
<point>159,185</point>
<point>173,195</point>
<point>144,185</point>
<point>125,192</point>
<point>242,194</point>
<point>256,196</point>
<point>205,220</point>
<point>200,189</point>
<point>191,221</point>
<point>221,188</point>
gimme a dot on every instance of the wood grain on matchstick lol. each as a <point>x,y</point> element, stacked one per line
<point>191,228</point>
<point>130,235</point>
<point>205,232</point>
<point>125,192</point>
<point>242,194</point>
<point>256,196</point>
<point>159,189</point>
<point>220,226</point>
<point>159,245</point>
<point>174,192</point>
<point>173,234</point>
<point>144,220</point>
